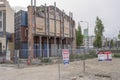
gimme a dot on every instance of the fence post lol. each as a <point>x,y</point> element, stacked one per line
<point>59,51</point>
<point>84,61</point>
<point>17,52</point>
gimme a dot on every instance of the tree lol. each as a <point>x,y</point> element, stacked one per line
<point>99,29</point>
<point>119,35</point>
<point>111,43</point>
<point>79,36</point>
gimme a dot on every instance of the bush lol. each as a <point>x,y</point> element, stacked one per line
<point>45,60</point>
<point>76,57</point>
<point>82,56</point>
<point>93,53</point>
<point>117,55</point>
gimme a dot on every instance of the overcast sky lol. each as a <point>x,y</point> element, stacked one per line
<point>86,10</point>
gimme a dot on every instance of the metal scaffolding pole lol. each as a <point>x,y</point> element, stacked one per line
<point>55,26</point>
<point>71,30</point>
<point>40,45</point>
<point>63,15</point>
<point>61,33</point>
<point>48,47</point>
<point>48,30</point>
<point>31,2</point>
<point>35,4</point>
<point>46,19</point>
<point>34,16</point>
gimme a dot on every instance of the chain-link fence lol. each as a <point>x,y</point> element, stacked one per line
<point>62,64</point>
<point>2,57</point>
<point>64,70</point>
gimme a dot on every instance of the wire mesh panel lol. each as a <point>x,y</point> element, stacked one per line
<point>61,66</point>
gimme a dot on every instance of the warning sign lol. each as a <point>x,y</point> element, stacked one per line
<point>65,54</point>
<point>104,56</point>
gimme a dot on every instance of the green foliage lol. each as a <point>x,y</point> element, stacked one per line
<point>90,55</point>
<point>108,43</point>
<point>75,57</point>
<point>119,35</point>
<point>93,53</point>
<point>111,43</point>
<point>98,42</point>
<point>45,60</point>
<point>99,29</point>
<point>117,55</point>
<point>79,36</point>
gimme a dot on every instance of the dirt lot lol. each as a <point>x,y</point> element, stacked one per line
<point>95,70</point>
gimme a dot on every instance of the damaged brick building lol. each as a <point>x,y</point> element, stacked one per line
<point>42,30</point>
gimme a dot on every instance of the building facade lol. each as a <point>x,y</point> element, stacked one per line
<point>48,29</point>
<point>21,27</point>
<point>88,42</point>
<point>6,25</point>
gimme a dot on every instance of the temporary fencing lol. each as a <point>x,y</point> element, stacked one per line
<point>64,64</point>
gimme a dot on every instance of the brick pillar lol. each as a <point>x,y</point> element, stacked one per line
<point>30,34</point>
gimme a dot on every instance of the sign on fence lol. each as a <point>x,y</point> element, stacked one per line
<point>104,56</point>
<point>65,54</point>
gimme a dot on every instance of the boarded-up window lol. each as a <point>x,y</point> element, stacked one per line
<point>66,28</point>
<point>40,25</point>
<point>58,28</point>
<point>52,27</point>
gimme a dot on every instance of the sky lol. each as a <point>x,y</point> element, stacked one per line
<point>86,10</point>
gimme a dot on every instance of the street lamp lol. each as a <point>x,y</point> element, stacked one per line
<point>86,22</point>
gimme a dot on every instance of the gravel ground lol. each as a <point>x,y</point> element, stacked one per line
<point>95,70</point>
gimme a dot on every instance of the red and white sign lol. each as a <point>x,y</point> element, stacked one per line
<point>104,56</point>
<point>108,55</point>
<point>101,56</point>
<point>65,54</point>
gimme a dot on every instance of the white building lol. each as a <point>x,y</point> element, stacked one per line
<point>6,23</point>
<point>88,42</point>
